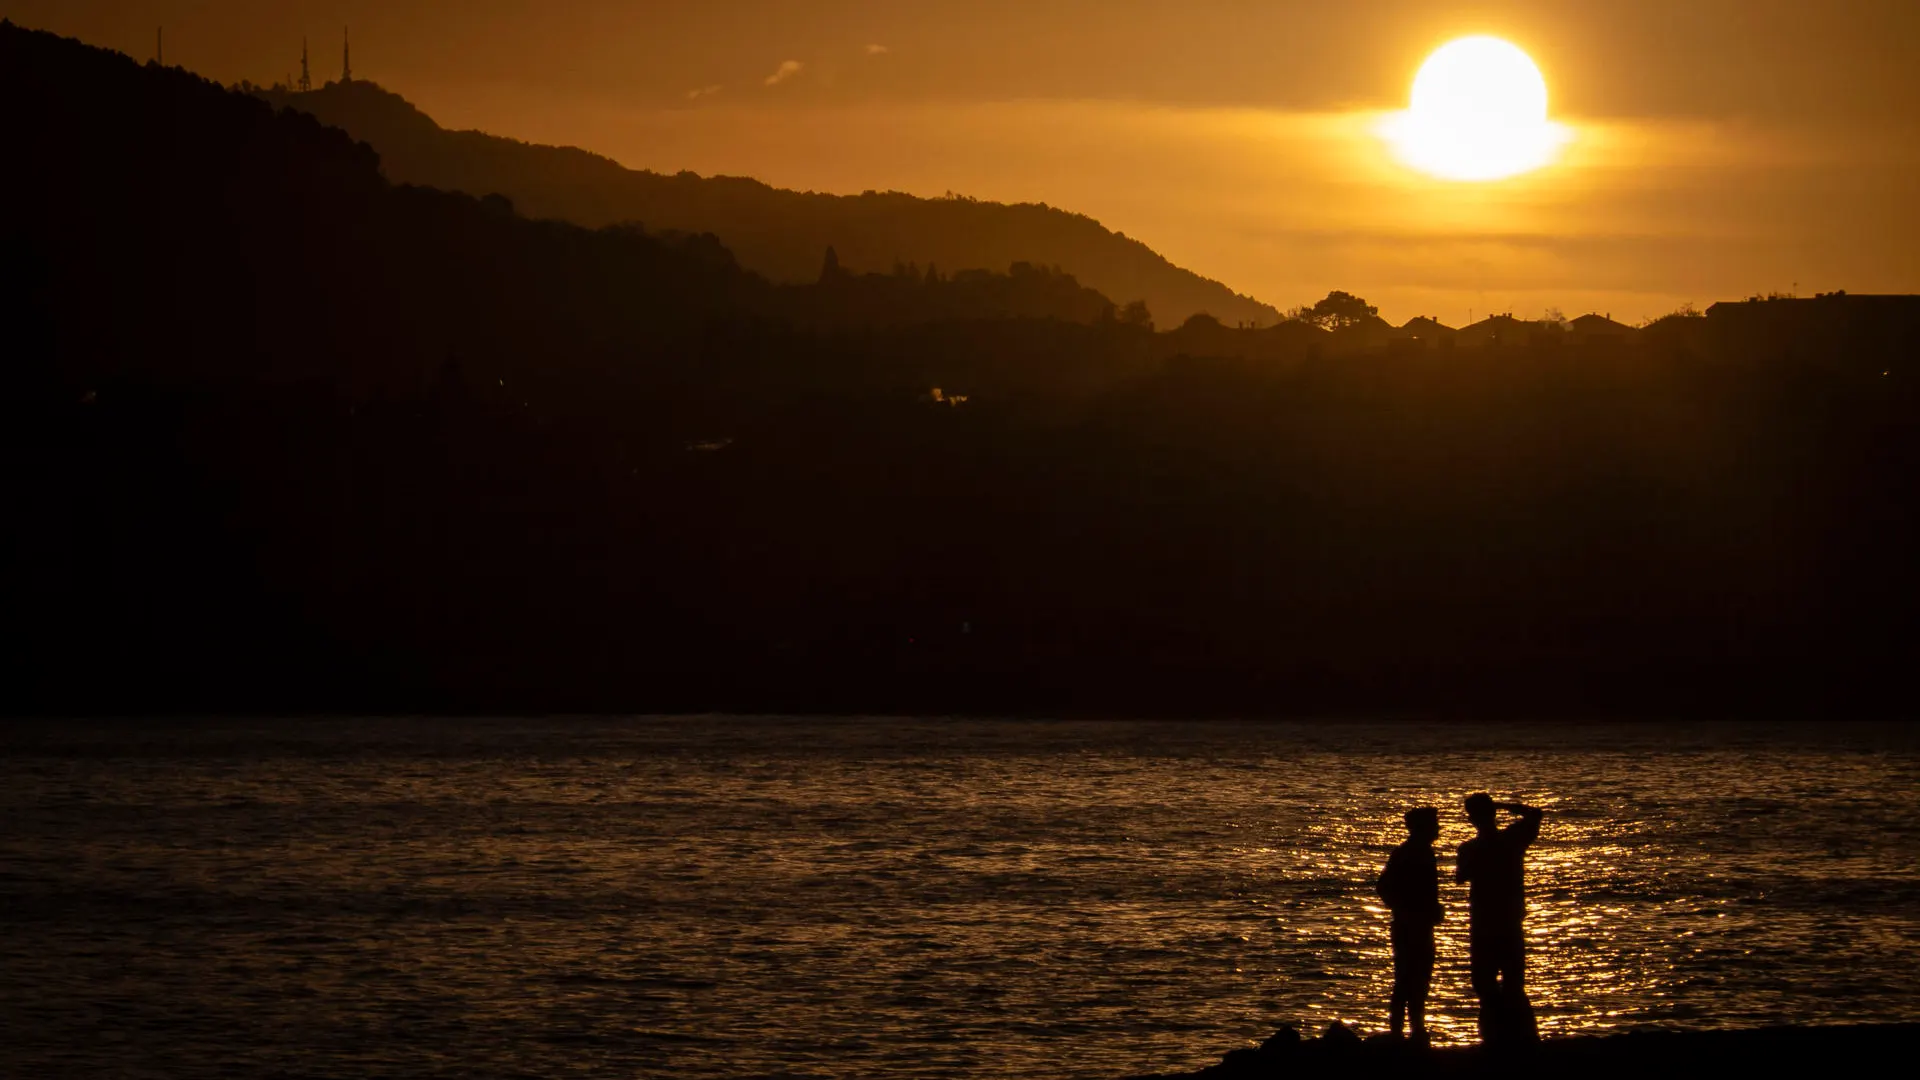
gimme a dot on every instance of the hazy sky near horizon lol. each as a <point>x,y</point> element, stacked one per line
<point>1722,147</point>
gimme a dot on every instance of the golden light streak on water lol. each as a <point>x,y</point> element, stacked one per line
<point>816,897</point>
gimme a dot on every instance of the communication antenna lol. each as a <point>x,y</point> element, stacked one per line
<point>160,45</point>
<point>306,74</point>
<point>346,57</point>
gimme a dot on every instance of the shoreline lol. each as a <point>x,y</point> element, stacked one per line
<point>1341,1051</point>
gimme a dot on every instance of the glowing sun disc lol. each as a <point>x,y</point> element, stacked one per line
<point>1478,112</point>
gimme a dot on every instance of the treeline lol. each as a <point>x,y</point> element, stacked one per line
<point>282,435</point>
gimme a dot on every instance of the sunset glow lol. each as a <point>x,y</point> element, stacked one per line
<point>1478,112</point>
<point>1052,541</point>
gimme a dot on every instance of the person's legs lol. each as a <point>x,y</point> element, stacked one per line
<point>1412,974</point>
<point>1517,1021</point>
<point>1513,962</point>
<point>1397,1013</point>
<point>1483,967</point>
<point>1420,980</point>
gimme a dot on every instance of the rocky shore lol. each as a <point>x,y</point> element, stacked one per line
<point>1642,1055</point>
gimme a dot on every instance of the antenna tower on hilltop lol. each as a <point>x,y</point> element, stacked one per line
<point>346,57</point>
<point>306,73</point>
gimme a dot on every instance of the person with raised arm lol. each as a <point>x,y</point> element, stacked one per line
<point>1493,866</point>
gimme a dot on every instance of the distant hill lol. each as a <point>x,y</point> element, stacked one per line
<point>280,434</point>
<point>782,234</point>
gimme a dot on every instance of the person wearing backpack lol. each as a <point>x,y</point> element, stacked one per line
<point>1410,887</point>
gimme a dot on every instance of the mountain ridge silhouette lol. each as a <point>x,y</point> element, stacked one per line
<point>774,231</point>
<point>284,435</point>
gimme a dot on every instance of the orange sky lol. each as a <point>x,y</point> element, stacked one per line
<point>1722,148</point>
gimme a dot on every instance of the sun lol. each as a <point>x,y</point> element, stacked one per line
<point>1478,112</point>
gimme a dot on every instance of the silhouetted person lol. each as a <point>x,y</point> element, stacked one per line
<point>1493,864</point>
<point>1410,886</point>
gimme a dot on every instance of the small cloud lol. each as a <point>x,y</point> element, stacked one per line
<point>878,50</point>
<point>787,70</point>
<point>704,91</point>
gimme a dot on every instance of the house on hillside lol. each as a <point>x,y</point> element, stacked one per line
<point>1496,331</point>
<point>1425,333</point>
<point>1291,336</point>
<point>1824,311</point>
<point>1364,335</point>
<point>1599,328</point>
<point>1836,326</point>
<point>1204,335</point>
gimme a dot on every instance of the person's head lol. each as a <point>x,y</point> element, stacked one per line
<point>1423,824</point>
<point>1480,811</point>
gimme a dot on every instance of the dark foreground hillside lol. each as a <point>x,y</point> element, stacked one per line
<point>279,434</point>
<point>775,232</point>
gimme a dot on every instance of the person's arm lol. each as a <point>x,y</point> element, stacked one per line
<point>1529,824</point>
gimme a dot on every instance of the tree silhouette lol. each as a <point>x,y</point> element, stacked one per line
<point>1339,310</point>
<point>1135,313</point>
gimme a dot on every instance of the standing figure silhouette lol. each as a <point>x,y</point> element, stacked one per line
<point>1410,887</point>
<point>1493,864</point>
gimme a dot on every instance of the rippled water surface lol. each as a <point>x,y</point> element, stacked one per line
<point>733,897</point>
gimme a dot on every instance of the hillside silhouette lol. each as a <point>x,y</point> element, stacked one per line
<point>282,434</point>
<point>775,232</point>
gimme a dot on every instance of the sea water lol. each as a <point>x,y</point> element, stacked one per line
<point>708,896</point>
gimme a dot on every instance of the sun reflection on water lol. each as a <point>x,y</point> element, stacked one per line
<point>833,898</point>
<point>1584,969</point>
